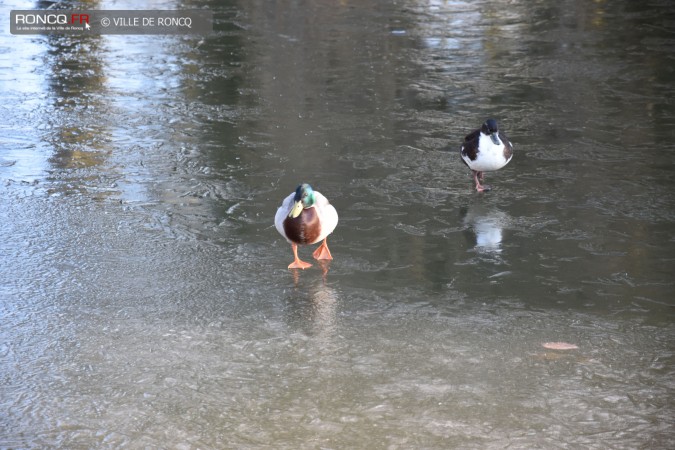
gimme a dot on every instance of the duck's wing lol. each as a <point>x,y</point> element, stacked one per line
<point>508,146</point>
<point>470,146</point>
<point>282,213</point>
<point>473,136</point>
<point>328,215</point>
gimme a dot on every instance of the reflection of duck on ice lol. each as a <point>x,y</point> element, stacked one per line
<point>488,226</point>
<point>312,306</point>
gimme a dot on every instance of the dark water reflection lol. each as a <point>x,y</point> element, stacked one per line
<point>145,300</point>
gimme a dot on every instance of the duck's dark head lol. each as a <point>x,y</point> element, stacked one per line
<point>304,198</point>
<point>491,129</point>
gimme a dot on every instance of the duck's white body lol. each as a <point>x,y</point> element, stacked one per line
<point>328,216</point>
<point>489,157</point>
<point>485,150</point>
<point>306,217</point>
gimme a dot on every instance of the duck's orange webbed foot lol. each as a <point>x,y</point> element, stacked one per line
<point>478,177</point>
<point>298,263</point>
<point>322,252</point>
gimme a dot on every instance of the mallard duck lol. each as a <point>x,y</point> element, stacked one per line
<point>485,150</point>
<point>306,217</point>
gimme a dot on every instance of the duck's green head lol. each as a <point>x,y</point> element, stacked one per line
<point>304,198</point>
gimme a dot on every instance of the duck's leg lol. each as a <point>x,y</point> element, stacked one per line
<point>477,177</point>
<point>322,252</point>
<point>297,263</point>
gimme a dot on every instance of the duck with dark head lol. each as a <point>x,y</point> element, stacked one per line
<point>304,218</point>
<point>485,150</point>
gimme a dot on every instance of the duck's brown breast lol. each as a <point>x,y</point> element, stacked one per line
<point>304,229</point>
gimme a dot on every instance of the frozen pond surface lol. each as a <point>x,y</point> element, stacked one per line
<point>145,300</point>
